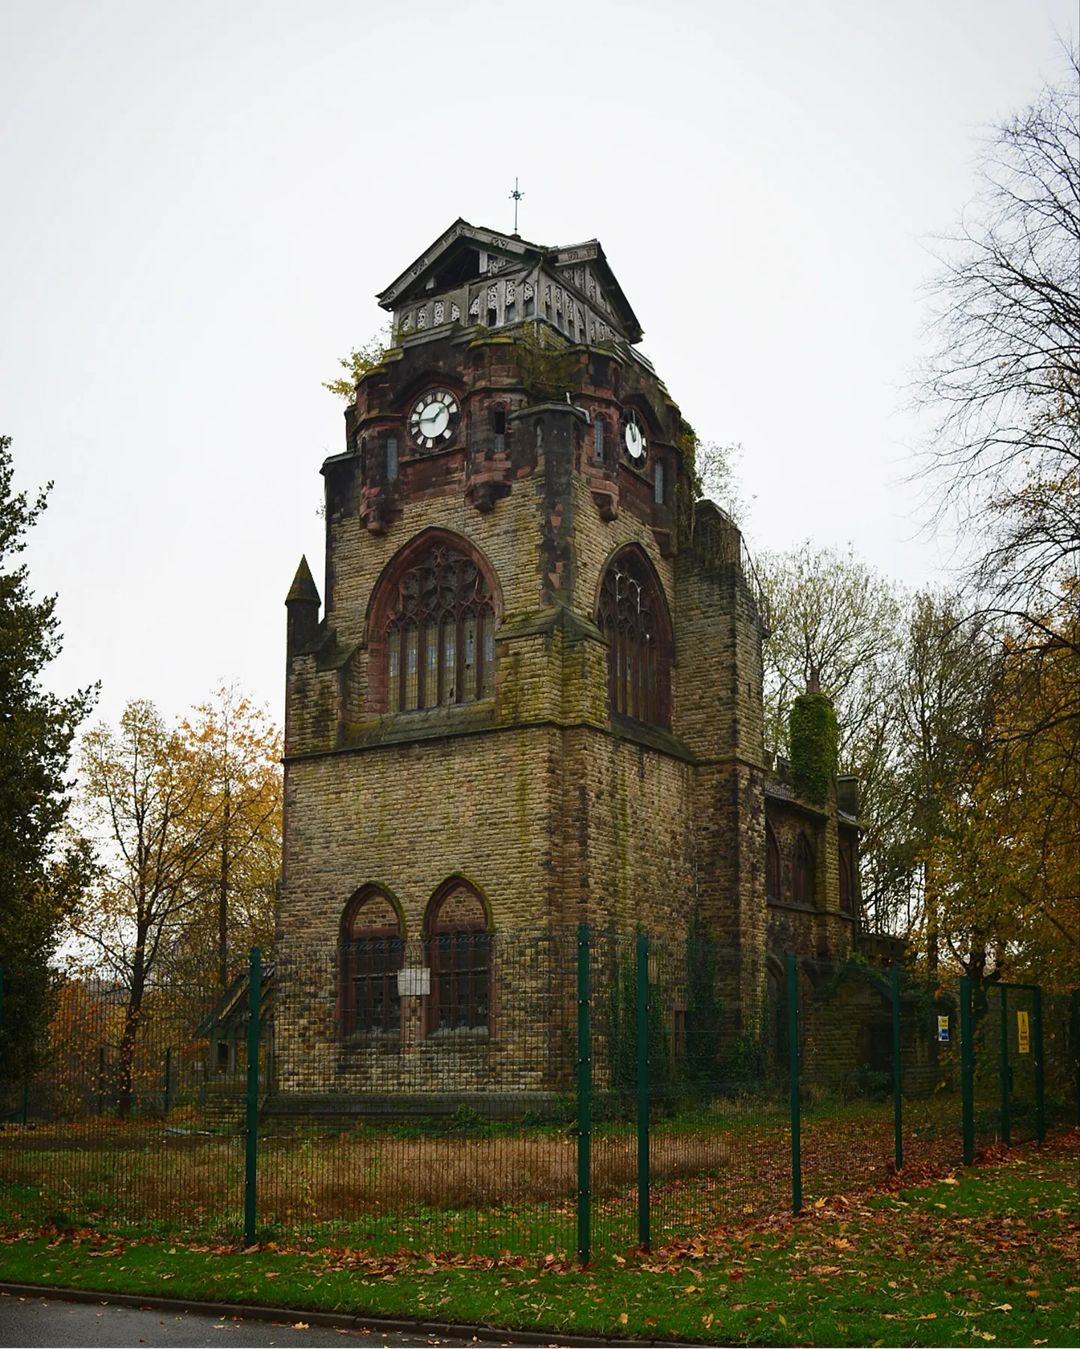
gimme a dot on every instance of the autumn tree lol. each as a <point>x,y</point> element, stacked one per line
<point>238,752</point>
<point>39,876</point>
<point>142,805</point>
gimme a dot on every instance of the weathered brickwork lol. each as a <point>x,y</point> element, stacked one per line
<point>556,807</point>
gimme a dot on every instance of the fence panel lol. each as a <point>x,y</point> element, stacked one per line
<point>930,1071</point>
<point>125,1125</point>
<point>424,1095</point>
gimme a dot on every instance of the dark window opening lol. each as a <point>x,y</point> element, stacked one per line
<point>633,618</point>
<point>460,957</point>
<point>440,632</point>
<point>802,880</point>
<point>391,458</point>
<point>658,482</point>
<point>598,440</point>
<point>510,313</point>
<point>492,316</point>
<point>500,430</point>
<point>847,880</point>
<point>530,306</point>
<point>772,865</point>
<point>372,953</point>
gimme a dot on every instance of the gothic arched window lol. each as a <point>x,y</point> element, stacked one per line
<point>372,952</point>
<point>772,864</point>
<point>633,616</point>
<point>459,955</point>
<point>802,876</point>
<point>847,878</point>
<point>433,628</point>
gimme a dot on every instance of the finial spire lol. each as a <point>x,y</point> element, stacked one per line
<point>516,196</point>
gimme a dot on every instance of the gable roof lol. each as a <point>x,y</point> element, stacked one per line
<point>514,249</point>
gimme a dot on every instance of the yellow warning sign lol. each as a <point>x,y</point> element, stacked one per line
<point>1023,1033</point>
<point>943,1030</point>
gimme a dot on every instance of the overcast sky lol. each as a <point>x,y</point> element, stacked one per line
<point>201,199</point>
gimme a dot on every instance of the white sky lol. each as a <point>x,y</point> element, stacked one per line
<point>201,199</point>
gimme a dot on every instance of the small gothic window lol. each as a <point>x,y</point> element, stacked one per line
<point>802,879</point>
<point>598,440</point>
<point>391,458</point>
<point>633,617</point>
<point>459,955</point>
<point>658,482</point>
<point>772,865</point>
<point>847,878</point>
<point>499,419</point>
<point>372,952</point>
<point>530,300</point>
<point>438,627</point>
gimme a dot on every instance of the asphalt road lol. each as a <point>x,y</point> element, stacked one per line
<point>36,1321</point>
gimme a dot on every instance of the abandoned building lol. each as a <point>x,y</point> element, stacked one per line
<point>529,697</point>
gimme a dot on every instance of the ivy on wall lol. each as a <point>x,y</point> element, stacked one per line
<point>814,746</point>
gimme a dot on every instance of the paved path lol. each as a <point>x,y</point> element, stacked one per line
<point>36,1322</point>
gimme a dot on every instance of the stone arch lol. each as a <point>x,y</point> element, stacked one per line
<point>632,612</point>
<point>459,941</point>
<point>371,952</point>
<point>430,625</point>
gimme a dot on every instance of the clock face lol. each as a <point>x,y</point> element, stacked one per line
<point>434,419</point>
<point>634,439</point>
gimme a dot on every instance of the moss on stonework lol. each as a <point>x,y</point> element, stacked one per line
<point>814,746</point>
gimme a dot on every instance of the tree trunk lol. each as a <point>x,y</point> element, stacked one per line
<point>223,897</point>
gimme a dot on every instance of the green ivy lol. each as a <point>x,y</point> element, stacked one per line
<point>814,746</point>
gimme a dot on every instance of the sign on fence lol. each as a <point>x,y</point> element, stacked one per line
<point>943,1029</point>
<point>1023,1033</point>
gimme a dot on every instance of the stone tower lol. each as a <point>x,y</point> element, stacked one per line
<point>534,695</point>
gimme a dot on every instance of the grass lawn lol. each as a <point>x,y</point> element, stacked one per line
<point>990,1253</point>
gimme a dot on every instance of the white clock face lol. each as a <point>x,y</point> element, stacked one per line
<point>634,439</point>
<point>433,419</point>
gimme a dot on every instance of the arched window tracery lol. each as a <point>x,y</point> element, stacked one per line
<point>802,877</point>
<point>847,878</point>
<point>372,953</point>
<point>772,864</point>
<point>459,955</point>
<point>435,623</point>
<point>633,617</point>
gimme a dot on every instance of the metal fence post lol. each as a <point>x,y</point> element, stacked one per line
<point>584,1095</point>
<point>643,1089</point>
<point>967,1071</point>
<point>1040,1065</point>
<point>897,1070</point>
<point>1006,1092</point>
<point>793,1081</point>
<point>251,1148</point>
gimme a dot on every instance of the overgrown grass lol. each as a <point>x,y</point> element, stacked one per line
<point>988,1254</point>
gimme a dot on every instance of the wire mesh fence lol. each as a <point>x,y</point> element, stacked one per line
<point>562,1092</point>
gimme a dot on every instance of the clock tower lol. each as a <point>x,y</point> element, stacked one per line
<point>530,695</point>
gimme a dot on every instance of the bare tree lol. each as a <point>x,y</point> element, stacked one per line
<point>1003,373</point>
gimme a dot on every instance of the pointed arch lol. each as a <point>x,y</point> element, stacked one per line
<point>431,625</point>
<point>372,951</point>
<point>803,872</point>
<point>632,613</point>
<point>772,865</point>
<point>458,936</point>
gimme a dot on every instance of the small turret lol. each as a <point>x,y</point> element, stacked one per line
<point>302,605</point>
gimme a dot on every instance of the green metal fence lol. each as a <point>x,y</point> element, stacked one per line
<point>566,1092</point>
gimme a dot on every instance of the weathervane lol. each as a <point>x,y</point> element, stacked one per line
<point>516,196</point>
